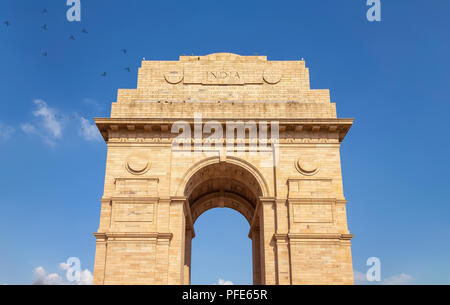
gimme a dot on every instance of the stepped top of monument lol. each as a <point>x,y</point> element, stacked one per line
<point>223,57</point>
<point>221,84</point>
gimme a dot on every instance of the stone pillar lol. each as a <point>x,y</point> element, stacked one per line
<point>283,259</point>
<point>346,260</point>
<point>101,243</point>
<point>177,226</point>
<point>100,259</point>
<point>162,261</point>
<point>187,256</point>
<point>321,259</point>
<point>256,253</point>
<point>162,245</point>
<point>105,215</point>
<point>268,248</point>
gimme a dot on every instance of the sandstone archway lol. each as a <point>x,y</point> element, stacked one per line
<point>288,187</point>
<point>220,185</point>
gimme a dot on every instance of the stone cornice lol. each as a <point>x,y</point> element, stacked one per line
<point>316,200</point>
<point>134,199</point>
<point>164,125</point>
<point>133,235</point>
<point>281,237</point>
<point>267,199</point>
<point>136,178</point>
<point>300,236</point>
<point>311,200</point>
<point>180,199</point>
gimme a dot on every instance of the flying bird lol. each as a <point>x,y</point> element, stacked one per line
<point>84,31</point>
<point>72,37</point>
<point>44,11</point>
<point>6,23</point>
<point>104,74</point>
<point>128,69</point>
<point>124,51</point>
<point>44,27</point>
<point>45,53</point>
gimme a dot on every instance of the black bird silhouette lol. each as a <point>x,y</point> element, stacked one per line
<point>128,69</point>
<point>44,27</point>
<point>72,37</point>
<point>44,11</point>
<point>104,74</point>
<point>84,31</point>
<point>45,53</point>
<point>6,23</point>
<point>124,51</point>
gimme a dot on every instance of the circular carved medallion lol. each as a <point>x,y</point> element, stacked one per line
<point>137,164</point>
<point>272,77</point>
<point>307,168</point>
<point>174,77</point>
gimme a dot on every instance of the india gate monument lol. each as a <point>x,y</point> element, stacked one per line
<point>215,131</point>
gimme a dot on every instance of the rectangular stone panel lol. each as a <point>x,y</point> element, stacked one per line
<point>137,187</point>
<point>316,262</point>
<point>130,263</point>
<point>313,213</point>
<point>310,188</point>
<point>133,212</point>
<point>219,74</point>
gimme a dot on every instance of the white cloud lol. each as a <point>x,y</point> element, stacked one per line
<point>88,131</point>
<point>49,119</point>
<point>28,128</point>
<point>86,277</point>
<point>49,122</point>
<point>42,278</point>
<point>224,282</point>
<point>31,129</point>
<point>51,127</point>
<point>5,132</point>
<point>400,279</point>
<point>63,266</point>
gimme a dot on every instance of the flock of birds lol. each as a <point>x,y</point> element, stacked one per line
<point>44,27</point>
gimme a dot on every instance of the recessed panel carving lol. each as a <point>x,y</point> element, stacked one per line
<point>216,74</point>
<point>137,187</point>
<point>133,212</point>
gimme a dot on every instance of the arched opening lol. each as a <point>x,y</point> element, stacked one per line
<point>221,250</point>
<point>224,184</point>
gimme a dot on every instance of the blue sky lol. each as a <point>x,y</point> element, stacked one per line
<point>391,76</point>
